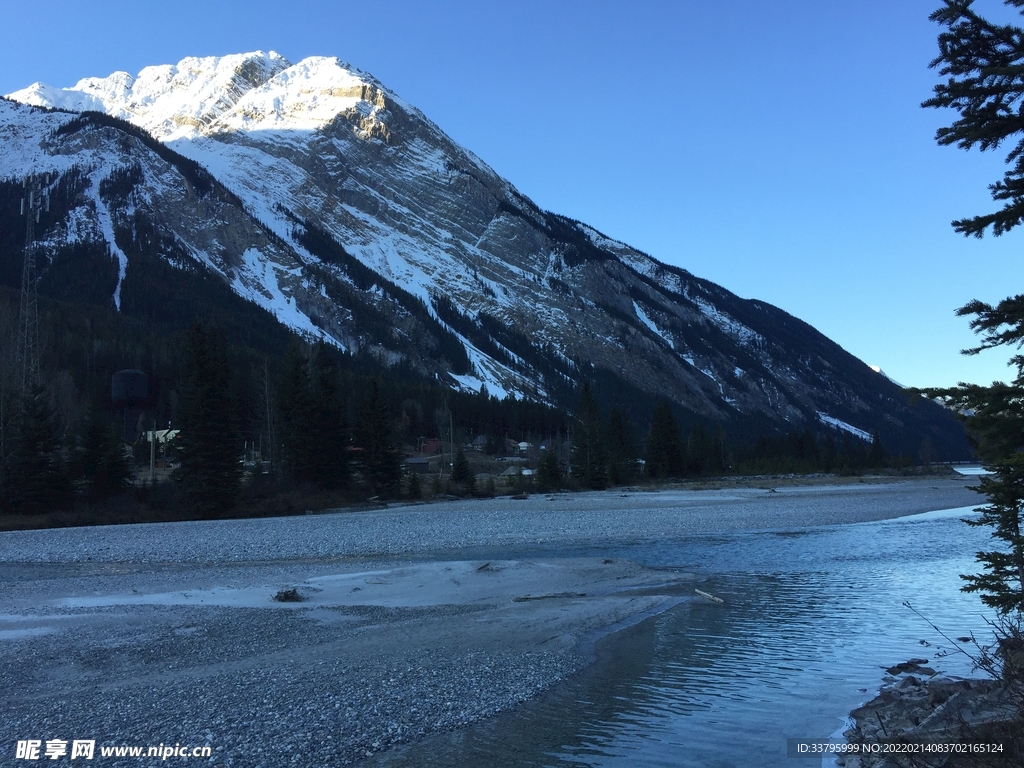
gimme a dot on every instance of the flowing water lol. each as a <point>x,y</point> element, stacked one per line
<point>812,615</point>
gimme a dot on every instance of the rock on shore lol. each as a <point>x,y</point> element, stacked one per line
<point>923,707</point>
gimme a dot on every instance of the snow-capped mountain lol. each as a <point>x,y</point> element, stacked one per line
<point>324,198</point>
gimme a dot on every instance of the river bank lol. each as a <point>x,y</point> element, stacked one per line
<point>930,719</point>
<point>154,505</point>
<point>410,624</point>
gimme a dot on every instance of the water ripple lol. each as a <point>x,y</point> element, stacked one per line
<point>810,617</point>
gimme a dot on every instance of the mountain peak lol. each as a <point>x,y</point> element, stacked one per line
<point>223,94</point>
<point>349,216</point>
<point>168,99</point>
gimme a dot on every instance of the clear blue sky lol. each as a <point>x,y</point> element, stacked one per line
<point>776,148</point>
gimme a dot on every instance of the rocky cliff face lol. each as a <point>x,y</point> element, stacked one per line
<point>345,212</point>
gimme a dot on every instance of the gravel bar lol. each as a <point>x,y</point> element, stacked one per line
<point>576,518</point>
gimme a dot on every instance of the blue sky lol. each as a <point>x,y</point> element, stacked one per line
<point>776,148</point>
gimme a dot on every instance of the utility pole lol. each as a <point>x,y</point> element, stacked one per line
<point>152,455</point>
<point>37,199</point>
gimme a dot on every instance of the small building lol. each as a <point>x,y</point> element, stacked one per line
<point>417,465</point>
<point>160,435</point>
<point>431,445</point>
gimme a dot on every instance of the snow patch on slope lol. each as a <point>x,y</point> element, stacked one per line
<point>107,228</point>
<point>272,298</point>
<point>650,324</point>
<point>486,371</point>
<point>603,241</point>
<point>646,266</point>
<point>726,324</point>
<point>839,424</point>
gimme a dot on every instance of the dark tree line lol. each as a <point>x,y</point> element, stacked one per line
<point>605,451</point>
<point>325,421</point>
<point>827,450</point>
<point>316,418</point>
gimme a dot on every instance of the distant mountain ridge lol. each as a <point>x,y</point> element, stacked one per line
<point>319,195</point>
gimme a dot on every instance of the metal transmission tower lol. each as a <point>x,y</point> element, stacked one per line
<point>37,199</point>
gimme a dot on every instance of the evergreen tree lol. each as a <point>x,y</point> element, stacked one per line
<point>296,412</point>
<point>997,424</point>
<point>37,481</point>
<point>461,472</point>
<point>314,432</point>
<point>549,474</point>
<point>718,461</point>
<point>326,432</point>
<point>381,460</point>
<point>876,455</point>
<point>415,491</point>
<point>829,452</point>
<point>805,448</point>
<point>986,83</point>
<point>209,444</point>
<point>100,461</point>
<point>621,448</point>
<point>665,455</point>
<point>699,460</point>
<point>589,457</point>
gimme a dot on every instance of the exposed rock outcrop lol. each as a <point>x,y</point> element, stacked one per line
<point>937,721</point>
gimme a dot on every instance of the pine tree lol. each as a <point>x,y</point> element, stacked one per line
<point>461,472</point>
<point>100,459</point>
<point>665,455</point>
<point>718,461</point>
<point>415,491</point>
<point>699,451</point>
<point>829,453</point>
<point>997,424</point>
<point>295,413</point>
<point>876,456</point>
<point>621,448</point>
<point>549,474</point>
<point>589,457</point>
<point>209,444</point>
<point>986,83</point>
<point>381,460</point>
<point>37,481</point>
<point>326,432</point>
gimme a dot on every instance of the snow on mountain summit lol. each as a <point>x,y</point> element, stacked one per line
<point>247,91</point>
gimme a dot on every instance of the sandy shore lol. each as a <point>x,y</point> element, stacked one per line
<point>142,635</point>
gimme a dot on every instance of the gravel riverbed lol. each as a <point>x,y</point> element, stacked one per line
<point>166,634</point>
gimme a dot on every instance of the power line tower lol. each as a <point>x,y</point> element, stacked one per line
<point>37,199</point>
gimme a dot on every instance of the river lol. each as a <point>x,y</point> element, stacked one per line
<point>811,617</point>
